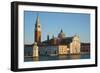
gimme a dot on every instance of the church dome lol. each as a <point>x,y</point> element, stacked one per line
<point>61,34</point>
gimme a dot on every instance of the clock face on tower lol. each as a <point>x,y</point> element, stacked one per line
<point>38,28</point>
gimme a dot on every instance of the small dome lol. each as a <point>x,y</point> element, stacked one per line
<point>61,34</point>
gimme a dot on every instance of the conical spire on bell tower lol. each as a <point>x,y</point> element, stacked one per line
<point>37,20</point>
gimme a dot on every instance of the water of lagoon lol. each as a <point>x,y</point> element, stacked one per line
<point>60,57</point>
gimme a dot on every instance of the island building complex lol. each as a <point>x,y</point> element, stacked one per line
<point>60,45</point>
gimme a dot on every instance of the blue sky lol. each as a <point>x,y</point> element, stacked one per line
<point>52,23</point>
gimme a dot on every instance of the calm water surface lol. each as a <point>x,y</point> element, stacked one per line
<point>60,57</point>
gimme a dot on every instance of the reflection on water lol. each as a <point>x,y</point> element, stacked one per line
<point>60,57</point>
<point>63,57</point>
<point>35,59</point>
<point>75,56</point>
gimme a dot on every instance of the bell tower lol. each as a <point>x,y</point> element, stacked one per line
<point>37,31</point>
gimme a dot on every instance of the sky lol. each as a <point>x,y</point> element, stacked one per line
<point>52,22</point>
